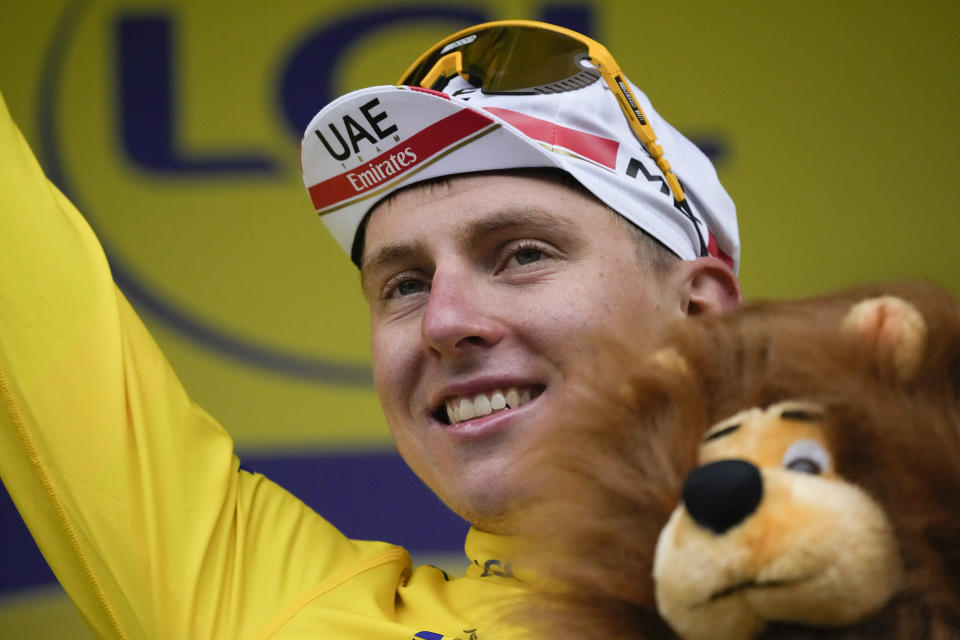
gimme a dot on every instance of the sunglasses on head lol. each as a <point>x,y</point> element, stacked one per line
<point>527,57</point>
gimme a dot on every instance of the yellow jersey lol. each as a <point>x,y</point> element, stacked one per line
<point>134,494</point>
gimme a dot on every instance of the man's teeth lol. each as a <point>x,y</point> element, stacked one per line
<point>482,404</point>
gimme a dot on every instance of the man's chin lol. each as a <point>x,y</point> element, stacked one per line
<point>489,507</point>
<point>500,525</point>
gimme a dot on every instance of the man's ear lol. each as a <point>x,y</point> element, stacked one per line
<point>709,286</point>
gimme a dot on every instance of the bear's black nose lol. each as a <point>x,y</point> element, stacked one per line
<point>720,495</point>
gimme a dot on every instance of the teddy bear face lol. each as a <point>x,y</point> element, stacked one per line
<point>879,370</point>
<point>768,531</point>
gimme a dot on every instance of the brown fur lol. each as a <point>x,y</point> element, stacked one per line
<point>612,476</point>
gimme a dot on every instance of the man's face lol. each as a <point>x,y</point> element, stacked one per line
<point>482,292</point>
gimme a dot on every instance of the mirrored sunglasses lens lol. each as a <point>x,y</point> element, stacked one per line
<point>518,60</point>
<point>528,60</point>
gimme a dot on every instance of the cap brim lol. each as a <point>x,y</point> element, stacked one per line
<point>370,143</point>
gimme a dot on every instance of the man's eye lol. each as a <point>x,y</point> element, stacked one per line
<point>408,287</point>
<point>523,253</point>
<point>403,284</point>
<point>526,256</point>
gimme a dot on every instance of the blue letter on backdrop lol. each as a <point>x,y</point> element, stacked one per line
<point>147,95</point>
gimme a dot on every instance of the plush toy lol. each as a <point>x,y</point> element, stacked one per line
<point>790,470</point>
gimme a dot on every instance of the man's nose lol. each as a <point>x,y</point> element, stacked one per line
<point>461,315</point>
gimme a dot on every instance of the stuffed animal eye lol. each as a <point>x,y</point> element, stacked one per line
<point>805,465</point>
<point>806,456</point>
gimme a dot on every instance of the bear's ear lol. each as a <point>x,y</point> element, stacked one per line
<point>893,330</point>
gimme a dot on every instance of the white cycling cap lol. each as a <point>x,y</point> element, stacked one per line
<point>369,143</point>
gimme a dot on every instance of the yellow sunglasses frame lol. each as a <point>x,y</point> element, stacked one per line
<point>452,64</point>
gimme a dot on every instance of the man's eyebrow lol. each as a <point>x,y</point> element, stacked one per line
<point>387,254</point>
<point>533,218</point>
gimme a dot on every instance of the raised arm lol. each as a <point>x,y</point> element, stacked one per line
<point>133,493</point>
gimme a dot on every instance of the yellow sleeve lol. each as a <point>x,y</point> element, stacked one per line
<point>133,493</point>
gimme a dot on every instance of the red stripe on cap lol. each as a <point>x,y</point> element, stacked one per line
<point>398,160</point>
<point>433,92</point>
<point>597,148</point>
<point>715,250</point>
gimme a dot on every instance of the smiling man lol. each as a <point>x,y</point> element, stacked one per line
<point>512,201</point>
<point>481,290</point>
<point>565,220</point>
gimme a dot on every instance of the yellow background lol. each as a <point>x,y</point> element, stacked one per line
<point>837,120</point>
